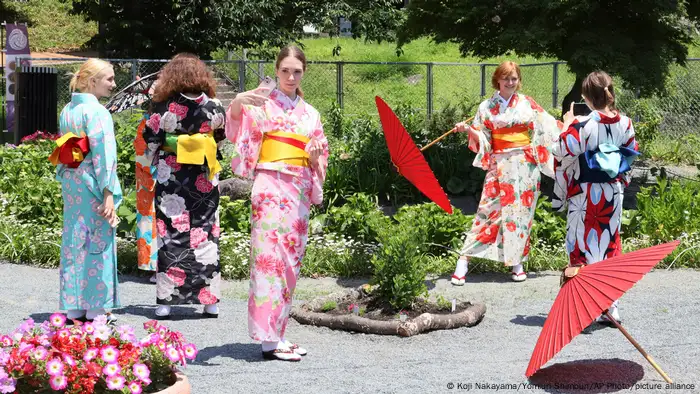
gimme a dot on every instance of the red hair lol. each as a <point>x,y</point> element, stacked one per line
<point>505,69</point>
<point>185,73</point>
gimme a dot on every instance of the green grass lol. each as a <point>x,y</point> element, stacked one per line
<point>54,29</point>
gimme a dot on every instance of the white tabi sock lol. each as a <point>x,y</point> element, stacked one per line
<point>517,269</point>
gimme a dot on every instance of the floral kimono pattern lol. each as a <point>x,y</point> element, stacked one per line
<point>281,198</point>
<point>513,147</point>
<point>186,198</point>
<point>146,230</point>
<point>88,270</point>
<point>592,163</point>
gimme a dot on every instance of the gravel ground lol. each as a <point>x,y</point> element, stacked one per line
<point>661,312</point>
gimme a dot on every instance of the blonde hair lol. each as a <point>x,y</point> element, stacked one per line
<point>92,68</point>
<point>505,69</point>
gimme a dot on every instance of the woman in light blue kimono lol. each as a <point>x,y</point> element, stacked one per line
<point>87,169</point>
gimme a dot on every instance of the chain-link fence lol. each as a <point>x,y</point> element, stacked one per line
<point>427,87</point>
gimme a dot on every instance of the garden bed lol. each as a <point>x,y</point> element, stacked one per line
<point>359,310</point>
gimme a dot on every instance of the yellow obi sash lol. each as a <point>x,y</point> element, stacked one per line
<point>284,147</point>
<point>193,149</point>
<point>70,150</point>
<point>510,137</point>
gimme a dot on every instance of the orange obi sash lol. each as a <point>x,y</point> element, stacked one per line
<point>284,147</point>
<point>510,137</point>
<point>71,150</point>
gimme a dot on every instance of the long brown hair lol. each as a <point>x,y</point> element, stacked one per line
<point>294,51</point>
<point>598,89</point>
<point>185,73</point>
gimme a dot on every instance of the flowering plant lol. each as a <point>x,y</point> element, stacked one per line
<point>39,135</point>
<point>90,357</point>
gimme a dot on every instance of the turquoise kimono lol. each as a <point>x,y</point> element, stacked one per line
<point>88,249</point>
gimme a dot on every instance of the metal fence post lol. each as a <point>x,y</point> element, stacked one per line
<point>241,75</point>
<point>429,90</point>
<point>555,85</point>
<point>134,69</point>
<point>339,83</point>
<point>483,80</point>
<point>261,70</point>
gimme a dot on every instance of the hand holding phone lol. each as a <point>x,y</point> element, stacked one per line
<point>267,85</point>
<point>581,109</point>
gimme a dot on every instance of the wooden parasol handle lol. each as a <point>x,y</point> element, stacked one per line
<point>645,354</point>
<point>443,136</point>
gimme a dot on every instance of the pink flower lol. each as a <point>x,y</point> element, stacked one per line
<point>203,184</point>
<point>40,353</point>
<point>280,268</point>
<point>6,341</point>
<point>171,161</point>
<point>197,236</point>
<point>173,354</point>
<point>300,226</point>
<point>141,371</point>
<point>206,297</point>
<point>178,275</point>
<point>58,382</point>
<point>179,110</point>
<point>190,351</point>
<point>135,387</point>
<point>285,205</point>
<point>58,320</point>
<point>89,328</point>
<point>162,228</point>
<point>68,360</point>
<point>181,222</point>
<point>54,367</point>
<point>111,369</point>
<point>90,354</point>
<point>266,263</point>
<point>153,123</point>
<point>215,231</point>
<point>291,242</point>
<point>272,236</point>
<point>205,127</point>
<point>109,354</point>
<point>115,382</point>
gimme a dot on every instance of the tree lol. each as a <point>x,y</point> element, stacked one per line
<point>635,40</point>
<point>161,28</point>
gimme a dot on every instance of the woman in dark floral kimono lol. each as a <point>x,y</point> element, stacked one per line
<point>182,132</point>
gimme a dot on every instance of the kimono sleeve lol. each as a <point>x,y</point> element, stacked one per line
<point>246,135</point>
<point>565,151</point>
<point>103,147</point>
<point>483,151</point>
<point>318,172</point>
<point>153,134</point>
<point>545,131</point>
<point>630,142</point>
<point>217,120</point>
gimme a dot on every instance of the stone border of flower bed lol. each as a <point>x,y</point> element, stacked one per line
<point>310,314</point>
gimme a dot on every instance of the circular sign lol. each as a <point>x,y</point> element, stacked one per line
<point>17,40</point>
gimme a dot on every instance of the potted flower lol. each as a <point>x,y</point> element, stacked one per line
<point>93,357</point>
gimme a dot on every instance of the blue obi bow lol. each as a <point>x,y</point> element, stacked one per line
<point>606,163</point>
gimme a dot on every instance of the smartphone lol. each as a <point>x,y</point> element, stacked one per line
<point>581,109</point>
<point>269,84</point>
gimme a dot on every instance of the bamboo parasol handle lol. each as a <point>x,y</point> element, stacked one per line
<point>645,354</point>
<point>443,136</point>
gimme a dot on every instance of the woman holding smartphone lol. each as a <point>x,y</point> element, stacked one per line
<point>279,142</point>
<point>592,167</point>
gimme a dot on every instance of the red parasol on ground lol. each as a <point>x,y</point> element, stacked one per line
<point>587,293</point>
<point>407,159</point>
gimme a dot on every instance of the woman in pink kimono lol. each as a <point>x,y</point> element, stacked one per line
<point>279,142</point>
<point>512,136</point>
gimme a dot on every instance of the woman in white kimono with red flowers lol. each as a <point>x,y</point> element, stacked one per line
<point>279,142</point>
<point>511,135</point>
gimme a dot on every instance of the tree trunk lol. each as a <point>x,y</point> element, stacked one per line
<point>429,321</point>
<point>574,95</point>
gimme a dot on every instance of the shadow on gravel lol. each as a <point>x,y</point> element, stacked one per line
<point>589,376</point>
<point>532,321</point>
<point>249,352</point>
<point>177,312</point>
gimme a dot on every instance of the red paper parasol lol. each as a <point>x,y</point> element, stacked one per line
<point>407,159</point>
<point>589,292</point>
